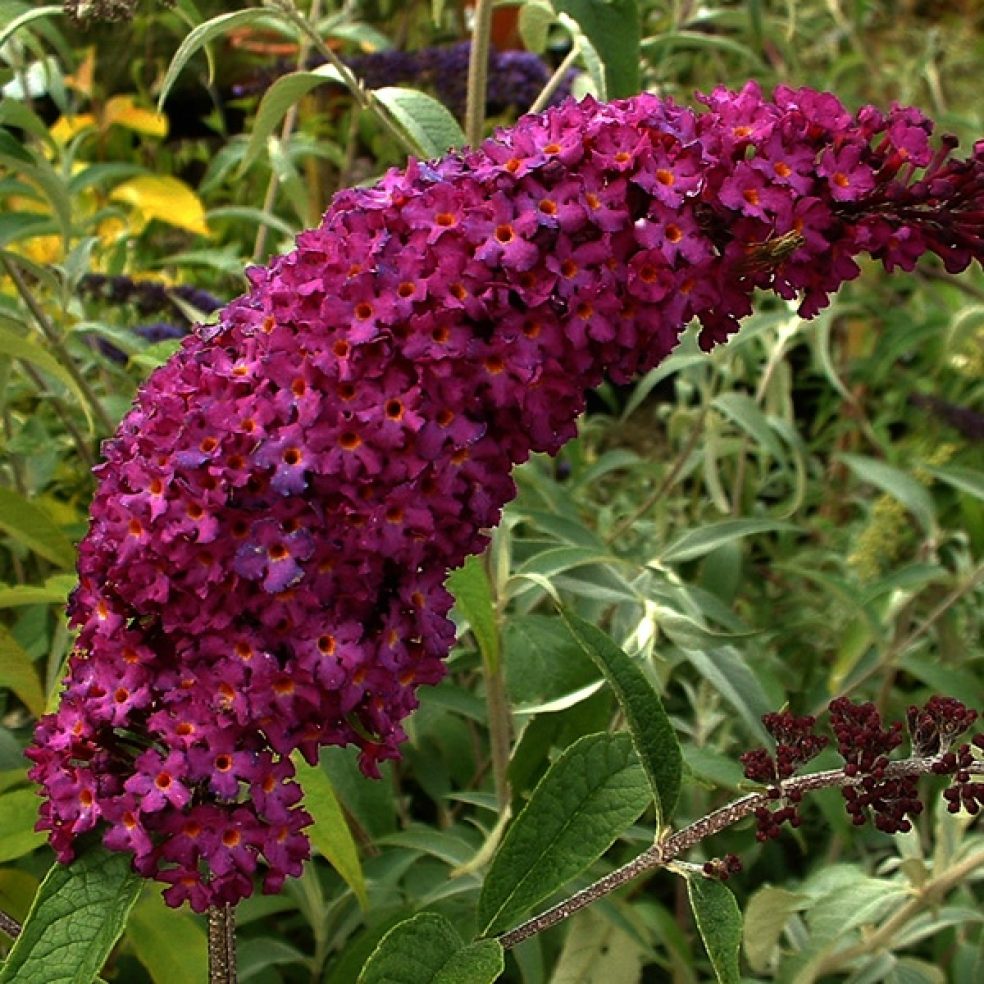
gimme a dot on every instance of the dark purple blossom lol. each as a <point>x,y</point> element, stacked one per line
<point>276,515</point>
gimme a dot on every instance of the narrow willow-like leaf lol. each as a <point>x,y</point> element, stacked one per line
<point>17,23</point>
<point>719,922</point>
<point>32,527</point>
<point>201,35</point>
<point>652,734</point>
<point>24,347</point>
<point>899,485</point>
<point>613,28</point>
<point>586,799</point>
<point>969,480</point>
<point>330,834</point>
<point>473,598</point>
<point>426,121</point>
<point>18,674</point>
<point>277,100</point>
<point>428,950</point>
<point>76,917</point>
<point>698,542</point>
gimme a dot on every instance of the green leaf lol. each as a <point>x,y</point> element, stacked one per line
<point>730,676</point>
<point>18,814</point>
<point>766,914</point>
<point>168,942</point>
<point>719,922</point>
<point>31,15</point>
<point>277,100</point>
<point>25,348</point>
<point>652,734</point>
<point>613,29</point>
<point>428,950</point>
<point>969,480</point>
<point>54,592</point>
<point>18,674</point>
<point>473,598</point>
<point>535,19</point>
<point>23,225</point>
<point>543,663</point>
<point>32,527</point>
<point>201,35</point>
<point>428,123</point>
<point>597,950</point>
<point>899,485</point>
<point>76,918</point>
<point>701,541</point>
<point>330,834</point>
<point>744,412</point>
<point>586,799</point>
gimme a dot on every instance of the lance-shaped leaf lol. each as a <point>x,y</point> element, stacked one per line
<point>473,597</point>
<point>587,798</point>
<point>330,834</point>
<point>652,734</point>
<point>428,950</point>
<point>719,922</point>
<point>78,914</point>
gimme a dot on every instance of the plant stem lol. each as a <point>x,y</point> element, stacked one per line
<point>222,945</point>
<point>290,121</point>
<point>81,444</point>
<point>53,339</point>
<point>663,852</point>
<point>665,485</point>
<point>500,730</point>
<point>365,100</point>
<point>553,83</point>
<point>9,926</point>
<point>478,72</point>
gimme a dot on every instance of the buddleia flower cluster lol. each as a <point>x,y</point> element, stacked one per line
<point>275,517</point>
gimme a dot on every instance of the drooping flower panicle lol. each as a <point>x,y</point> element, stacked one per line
<point>278,512</point>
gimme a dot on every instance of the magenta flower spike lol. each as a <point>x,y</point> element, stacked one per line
<point>277,514</point>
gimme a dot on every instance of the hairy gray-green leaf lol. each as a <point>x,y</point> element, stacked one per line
<point>899,485</point>
<point>277,100</point>
<point>652,734</point>
<point>719,922</point>
<point>76,917</point>
<point>587,798</point>
<point>200,36</point>
<point>766,913</point>
<point>428,950</point>
<point>698,542</point>
<point>428,123</point>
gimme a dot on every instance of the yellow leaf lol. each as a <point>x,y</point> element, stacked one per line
<point>166,199</point>
<point>82,78</point>
<point>122,111</point>
<point>66,127</point>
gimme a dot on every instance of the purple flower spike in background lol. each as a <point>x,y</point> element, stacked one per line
<point>278,512</point>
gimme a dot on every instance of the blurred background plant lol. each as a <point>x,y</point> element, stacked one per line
<point>795,517</point>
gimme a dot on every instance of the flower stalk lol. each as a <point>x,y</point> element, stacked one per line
<point>664,852</point>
